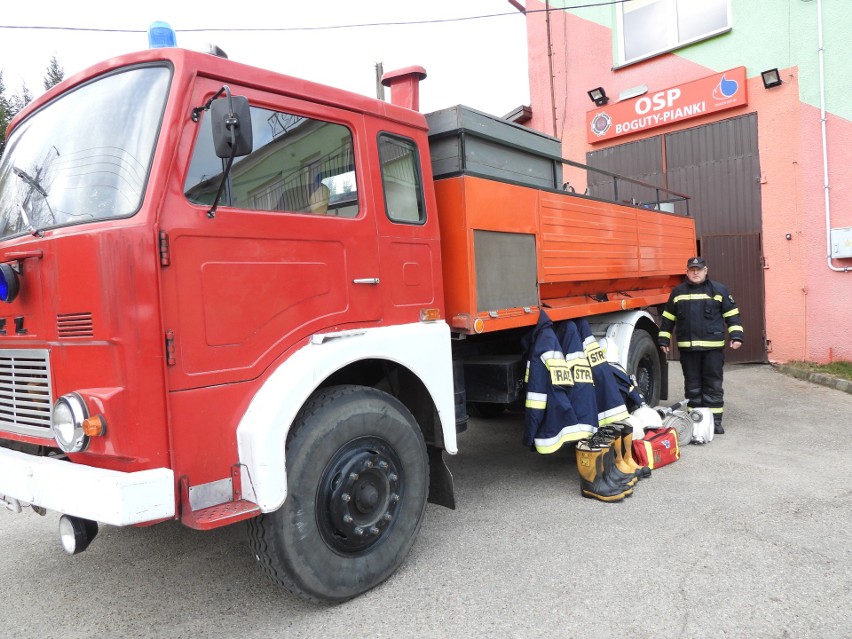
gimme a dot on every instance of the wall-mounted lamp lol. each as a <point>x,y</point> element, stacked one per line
<point>771,78</point>
<point>598,96</point>
<point>633,92</point>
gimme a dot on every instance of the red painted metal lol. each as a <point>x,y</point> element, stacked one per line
<point>185,317</point>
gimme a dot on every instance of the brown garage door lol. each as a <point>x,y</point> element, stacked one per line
<point>718,165</point>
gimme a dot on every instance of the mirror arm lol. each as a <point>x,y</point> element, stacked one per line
<point>231,123</point>
<point>212,212</point>
<point>197,111</point>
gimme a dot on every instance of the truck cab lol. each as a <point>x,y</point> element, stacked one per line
<point>159,348</point>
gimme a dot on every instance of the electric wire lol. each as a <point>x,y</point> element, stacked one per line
<point>322,28</point>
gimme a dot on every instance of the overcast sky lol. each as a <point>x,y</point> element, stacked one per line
<point>481,63</point>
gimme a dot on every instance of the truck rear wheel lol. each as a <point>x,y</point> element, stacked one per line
<point>357,476</point>
<point>643,361</point>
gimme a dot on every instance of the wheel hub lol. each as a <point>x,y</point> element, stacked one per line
<point>358,496</point>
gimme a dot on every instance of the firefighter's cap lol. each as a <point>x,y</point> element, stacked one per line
<point>696,262</point>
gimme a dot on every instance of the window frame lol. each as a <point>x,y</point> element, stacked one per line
<point>672,26</point>
<point>297,110</point>
<point>420,191</point>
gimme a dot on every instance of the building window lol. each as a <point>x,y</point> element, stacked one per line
<point>650,27</point>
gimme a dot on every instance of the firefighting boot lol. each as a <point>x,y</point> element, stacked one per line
<point>642,472</point>
<point>622,469</point>
<point>593,481</point>
<point>612,473</point>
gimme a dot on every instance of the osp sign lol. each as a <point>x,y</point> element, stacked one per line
<point>700,97</point>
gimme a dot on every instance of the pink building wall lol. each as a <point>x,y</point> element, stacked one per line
<point>808,307</point>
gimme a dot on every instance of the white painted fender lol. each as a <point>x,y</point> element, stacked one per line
<point>618,328</point>
<point>423,348</point>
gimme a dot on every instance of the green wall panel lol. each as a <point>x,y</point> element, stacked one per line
<point>773,33</point>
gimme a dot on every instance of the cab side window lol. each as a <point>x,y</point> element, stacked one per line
<point>401,179</point>
<point>298,165</point>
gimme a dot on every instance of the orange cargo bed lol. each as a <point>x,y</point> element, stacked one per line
<point>509,250</point>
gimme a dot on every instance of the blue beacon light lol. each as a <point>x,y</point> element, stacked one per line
<point>9,284</point>
<point>160,35</point>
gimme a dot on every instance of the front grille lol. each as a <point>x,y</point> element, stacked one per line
<point>75,325</point>
<point>25,393</point>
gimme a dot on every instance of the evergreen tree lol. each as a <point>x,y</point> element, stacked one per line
<point>5,114</point>
<point>55,74</point>
<point>20,100</point>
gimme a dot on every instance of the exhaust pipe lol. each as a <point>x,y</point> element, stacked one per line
<point>76,534</point>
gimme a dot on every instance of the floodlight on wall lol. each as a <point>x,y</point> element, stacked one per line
<point>771,78</point>
<point>598,96</point>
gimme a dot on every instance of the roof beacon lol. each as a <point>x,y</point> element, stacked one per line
<point>160,35</point>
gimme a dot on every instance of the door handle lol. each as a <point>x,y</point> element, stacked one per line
<point>366,280</point>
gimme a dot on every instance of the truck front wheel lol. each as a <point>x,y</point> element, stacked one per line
<point>643,361</point>
<point>357,476</point>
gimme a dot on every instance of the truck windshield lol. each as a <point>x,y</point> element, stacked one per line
<point>85,156</point>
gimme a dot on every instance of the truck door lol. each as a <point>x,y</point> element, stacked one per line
<point>290,251</point>
<point>408,225</point>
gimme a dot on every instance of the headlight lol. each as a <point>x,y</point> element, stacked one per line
<point>69,411</point>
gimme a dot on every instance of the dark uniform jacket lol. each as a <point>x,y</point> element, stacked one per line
<point>551,420</point>
<point>633,397</point>
<point>699,313</point>
<point>609,401</point>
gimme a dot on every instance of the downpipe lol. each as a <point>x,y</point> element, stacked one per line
<point>826,185</point>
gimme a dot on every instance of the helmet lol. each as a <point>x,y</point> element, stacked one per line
<point>648,416</point>
<point>610,349</point>
<point>642,418</point>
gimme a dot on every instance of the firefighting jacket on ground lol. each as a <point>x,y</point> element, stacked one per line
<point>610,403</point>
<point>550,417</point>
<point>699,313</point>
<point>582,391</point>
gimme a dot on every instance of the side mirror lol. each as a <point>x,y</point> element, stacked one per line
<point>231,118</point>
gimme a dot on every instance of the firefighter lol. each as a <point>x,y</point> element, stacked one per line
<point>699,310</point>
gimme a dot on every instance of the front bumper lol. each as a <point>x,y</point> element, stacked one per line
<point>106,496</point>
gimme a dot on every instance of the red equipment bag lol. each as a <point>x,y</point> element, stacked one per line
<point>658,448</point>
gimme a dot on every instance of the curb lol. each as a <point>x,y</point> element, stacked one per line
<point>843,385</point>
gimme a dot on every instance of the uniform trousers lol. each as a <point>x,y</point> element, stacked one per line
<point>702,380</point>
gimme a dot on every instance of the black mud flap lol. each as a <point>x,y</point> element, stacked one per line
<point>441,491</point>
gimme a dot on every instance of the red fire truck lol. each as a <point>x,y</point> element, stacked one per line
<point>231,296</point>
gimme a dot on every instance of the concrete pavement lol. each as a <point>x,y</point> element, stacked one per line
<point>747,536</point>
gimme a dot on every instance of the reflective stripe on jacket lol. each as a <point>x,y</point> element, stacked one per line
<point>550,419</point>
<point>609,401</point>
<point>699,315</point>
<point>582,392</point>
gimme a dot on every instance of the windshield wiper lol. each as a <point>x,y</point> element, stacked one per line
<point>26,177</point>
<point>34,184</point>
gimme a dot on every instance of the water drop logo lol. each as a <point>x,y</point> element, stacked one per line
<point>601,124</point>
<point>725,89</point>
